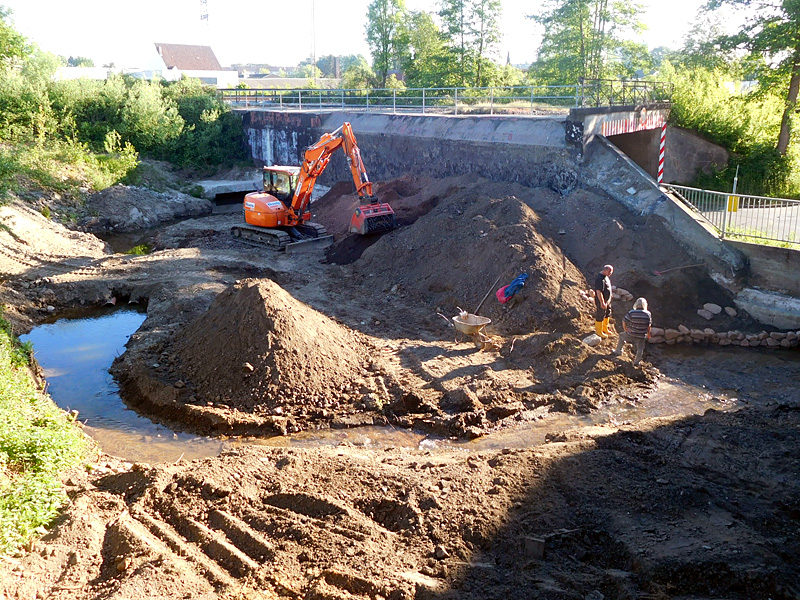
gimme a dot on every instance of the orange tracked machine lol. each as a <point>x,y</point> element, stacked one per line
<point>280,216</point>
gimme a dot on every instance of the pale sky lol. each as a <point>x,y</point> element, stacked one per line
<point>277,33</point>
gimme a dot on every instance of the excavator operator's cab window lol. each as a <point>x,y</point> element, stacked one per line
<point>279,184</point>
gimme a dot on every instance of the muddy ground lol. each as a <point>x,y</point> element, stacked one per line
<point>239,340</point>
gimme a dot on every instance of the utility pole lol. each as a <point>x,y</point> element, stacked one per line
<point>313,44</point>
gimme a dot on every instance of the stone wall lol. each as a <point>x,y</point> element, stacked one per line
<point>530,151</point>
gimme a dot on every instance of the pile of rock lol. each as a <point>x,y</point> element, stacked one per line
<point>618,293</point>
<point>711,310</point>
<point>684,335</point>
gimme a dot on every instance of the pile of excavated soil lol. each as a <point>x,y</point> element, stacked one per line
<point>123,208</point>
<point>258,349</point>
<point>478,232</point>
<point>336,207</point>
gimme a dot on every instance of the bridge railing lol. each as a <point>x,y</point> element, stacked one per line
<point>622,92</point>
<point>745,217</point>
<point>454,100</point>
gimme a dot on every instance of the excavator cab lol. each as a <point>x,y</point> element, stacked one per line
<point>280,182</point>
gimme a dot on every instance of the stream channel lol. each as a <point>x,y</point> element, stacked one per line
<point>76,352</point>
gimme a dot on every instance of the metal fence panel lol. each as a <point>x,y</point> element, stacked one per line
<point>745,217</point>
<point>458,100</point>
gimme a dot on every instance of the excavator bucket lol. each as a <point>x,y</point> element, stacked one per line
<point>373,218</point>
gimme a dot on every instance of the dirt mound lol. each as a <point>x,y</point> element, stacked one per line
<point>125,208</point>
<point>336,207</point>
<point>478,232</point>
<point>258,348</point>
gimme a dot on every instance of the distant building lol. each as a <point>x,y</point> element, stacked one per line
<point>197,62</point>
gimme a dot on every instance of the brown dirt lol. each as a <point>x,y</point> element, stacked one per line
<point>239,340</point>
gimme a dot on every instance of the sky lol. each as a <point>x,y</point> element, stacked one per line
<point>265,31</point>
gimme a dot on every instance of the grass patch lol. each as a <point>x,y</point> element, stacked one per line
<point>37,442</point>
<point>65,167</point>
<point>140,250</point>
<point>756,236</point>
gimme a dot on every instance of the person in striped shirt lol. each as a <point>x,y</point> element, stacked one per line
<point>636,325</point>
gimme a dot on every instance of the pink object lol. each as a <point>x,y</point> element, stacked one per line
<point>501,295</point>
<point>661,153</point>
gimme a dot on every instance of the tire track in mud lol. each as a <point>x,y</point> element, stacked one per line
<point>235,535</point>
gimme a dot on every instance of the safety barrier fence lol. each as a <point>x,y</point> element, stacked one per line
<point>454,100</point>
<point>745,217</point>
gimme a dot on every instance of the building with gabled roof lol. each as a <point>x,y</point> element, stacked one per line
<point>196,61</point>
<point>188,57</point>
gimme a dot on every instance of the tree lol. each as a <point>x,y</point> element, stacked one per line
<point>429,62</point>
<point>386,35</point>
<point>358,76</point>
<point>772,29</point>
<point>582,37</point>
<point>13,45</point>
<point>80,61</point>
<point>487,32</point>
<point>458,25</point>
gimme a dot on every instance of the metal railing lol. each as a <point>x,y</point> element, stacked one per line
<point>457,100</point>
<point>491,100</point>
<point>745,217</point>
<point>622,92</point>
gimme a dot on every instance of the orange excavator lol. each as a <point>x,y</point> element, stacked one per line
<point>280,215</point>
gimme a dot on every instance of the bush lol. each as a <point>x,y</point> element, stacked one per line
<point>37,442</point>
<point>746,124</point>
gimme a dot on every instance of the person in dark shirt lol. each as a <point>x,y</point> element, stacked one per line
<point>637,325</point>
<point>602,301</point>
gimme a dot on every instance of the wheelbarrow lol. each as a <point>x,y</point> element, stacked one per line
<point>472,325</point>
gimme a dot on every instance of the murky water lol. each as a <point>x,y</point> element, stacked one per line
<point>671,398</point>
<point>76,354</point>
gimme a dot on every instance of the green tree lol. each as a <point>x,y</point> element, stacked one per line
<point>13,45</point>
<point>358,76</point>
<point>79,61</point>
<point>386,35</point>
<point>582,37</point>
<point>772,29</point>
<point>427,55</point>
<point>458,26</point>
<point>149,120</point>
<point>487,33</point>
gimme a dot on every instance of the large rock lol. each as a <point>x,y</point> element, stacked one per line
<point>123,208</point>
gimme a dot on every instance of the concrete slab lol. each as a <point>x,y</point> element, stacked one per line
<point>214,187</point>
<point>770,308</point>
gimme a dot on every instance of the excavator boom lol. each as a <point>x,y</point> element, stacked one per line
<point>371,216</point>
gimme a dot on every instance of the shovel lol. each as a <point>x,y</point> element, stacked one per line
<point>677,268</point>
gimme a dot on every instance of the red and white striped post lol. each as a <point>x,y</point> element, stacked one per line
<point>661,153</point>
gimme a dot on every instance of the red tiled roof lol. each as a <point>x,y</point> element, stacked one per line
<point>188,58</point>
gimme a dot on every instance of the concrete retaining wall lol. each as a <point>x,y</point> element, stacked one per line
<point>771,268</point>
<point>531,151</point>
<point>607,168</point>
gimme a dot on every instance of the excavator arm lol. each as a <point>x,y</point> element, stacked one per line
<point>372,216</point>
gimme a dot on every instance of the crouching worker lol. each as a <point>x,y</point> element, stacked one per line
<point>637,325</point>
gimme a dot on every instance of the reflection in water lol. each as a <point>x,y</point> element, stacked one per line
<point>75,355</point>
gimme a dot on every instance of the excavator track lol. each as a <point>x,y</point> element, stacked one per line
<point>306,235</point>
